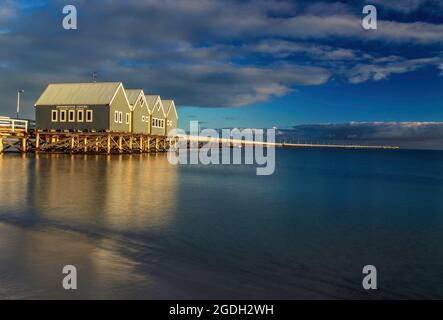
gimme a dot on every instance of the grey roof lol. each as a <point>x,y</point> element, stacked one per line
<point>167,104</point>
<point>132,95</point>
<point>150,99</point>
<point>96,93</point>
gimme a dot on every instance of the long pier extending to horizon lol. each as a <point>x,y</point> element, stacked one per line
<point>241,143</point>
<point>16,136</point>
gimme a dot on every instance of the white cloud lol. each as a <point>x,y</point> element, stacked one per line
<point>380,71</point>
<point>206,52</point>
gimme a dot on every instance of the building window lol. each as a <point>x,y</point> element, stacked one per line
<point>127,118</point>
<point>116,116</point>
<point>54,115</point>
<point>80,115</point>
<point>71,115</point>
<point>143,118</point>
<point>62,115</point>
<point>141,101</point>
<point>120,117</point>
<point>89,114</point>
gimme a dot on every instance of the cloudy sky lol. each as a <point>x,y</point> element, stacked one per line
<point>260,63</point>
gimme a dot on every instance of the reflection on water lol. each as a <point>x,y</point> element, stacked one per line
<point>138,227</point>
<point>63,201</point>
<point>119,192</point>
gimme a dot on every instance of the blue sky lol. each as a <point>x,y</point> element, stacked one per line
<point>236,63</point>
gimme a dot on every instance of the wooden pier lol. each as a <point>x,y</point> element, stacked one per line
<point>84,142</point>
<point>15,136</point>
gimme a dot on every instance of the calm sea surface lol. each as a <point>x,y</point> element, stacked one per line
<point>138,227</point>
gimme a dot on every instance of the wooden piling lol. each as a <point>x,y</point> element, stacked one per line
<point>1,144</point>
<point>24,145</point>
<point>120,144</point>
<point>37,142</point>
<point>109,144</point>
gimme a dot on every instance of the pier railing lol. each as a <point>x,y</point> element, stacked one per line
<point>8,125</point>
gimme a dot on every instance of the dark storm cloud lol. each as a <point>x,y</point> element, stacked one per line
<point>205,53</point>
<point>404,134</point>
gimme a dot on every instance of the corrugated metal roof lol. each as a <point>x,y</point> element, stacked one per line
<point>97,93</point>
<point>132,95</point>
<point>151,99</point>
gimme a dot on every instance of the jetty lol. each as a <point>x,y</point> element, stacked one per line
<point>107,118</point>
<point>20,136</point>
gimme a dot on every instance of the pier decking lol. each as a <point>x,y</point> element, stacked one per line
<point>18,135</point>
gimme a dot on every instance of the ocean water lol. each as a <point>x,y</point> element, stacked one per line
<point>137,227</point>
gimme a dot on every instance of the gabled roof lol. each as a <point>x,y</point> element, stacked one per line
<point>133,95</point>
<point>169,105</point>
<point>152,100</point>
<point>95,93</point>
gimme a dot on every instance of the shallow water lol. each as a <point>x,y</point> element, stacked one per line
<point>138,227</point>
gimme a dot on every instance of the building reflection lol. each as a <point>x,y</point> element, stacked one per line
<point>141,191</point>
<point>117,192</point>
<point>75,210</point>
<point>14,178</point>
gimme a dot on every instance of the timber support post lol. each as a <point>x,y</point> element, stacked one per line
<point>120,144</point>
<point>24,144</point>
<point>37,142</point>
<point>86,145</point>
<point>1,144</point>
<point>108,149</point>
<point>72,144</point>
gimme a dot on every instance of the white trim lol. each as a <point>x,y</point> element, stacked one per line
<point>127,118</point>
<point>120,86</point>
<point>54,112</point>
<point>62,119</point>
<point>175,110</point>
<point>89,112</point>
<point>120,117</point>
<point>158,123</point>
<point>71,112</point>
<point>115,93</point>
<point>81,112</point>
<point>115,116</point>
